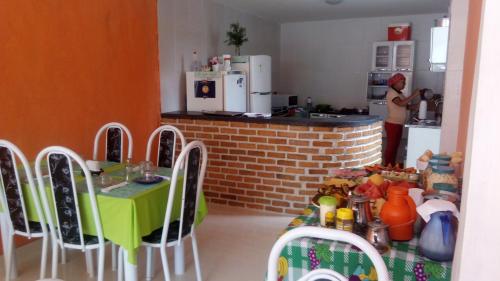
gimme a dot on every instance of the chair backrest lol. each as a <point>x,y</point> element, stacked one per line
<point>114,142</point>
<point>13,195</point>
<point>193,161</point>
<point>64,196</point>
<point>326,234</point>
<point>166,145</point>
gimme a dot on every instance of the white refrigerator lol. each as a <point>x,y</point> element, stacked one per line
<point>235,94</point>
<point>258,70</point>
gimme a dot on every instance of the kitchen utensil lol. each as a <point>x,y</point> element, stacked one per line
<point>399,212</point>
<point>377,235</point>
<point>360,206</point>
<point>109,188</point>
<point>437,241</point>
<point>148,180</point>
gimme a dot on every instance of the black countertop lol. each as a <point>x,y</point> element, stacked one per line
<point>343,121</point>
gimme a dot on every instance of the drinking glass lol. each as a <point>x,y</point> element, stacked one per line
<point>129,170</point>
<point>147,168</point>
<point>104,180</point>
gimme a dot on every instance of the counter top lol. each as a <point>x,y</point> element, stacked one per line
<point>427,124</point>
<point>341,121</point>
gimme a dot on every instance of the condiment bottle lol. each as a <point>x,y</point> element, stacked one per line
<point>327,205</point>
<point>345,219</point>
<point>399,212</point>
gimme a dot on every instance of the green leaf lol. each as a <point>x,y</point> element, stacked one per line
<point>236,36</point>
<point>433,269</point>
<point>323,252</point>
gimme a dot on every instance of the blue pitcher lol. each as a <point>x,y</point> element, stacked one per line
<point>437,241</point>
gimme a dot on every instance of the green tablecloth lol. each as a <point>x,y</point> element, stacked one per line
<point>401,260</point>
<point>127,213</point>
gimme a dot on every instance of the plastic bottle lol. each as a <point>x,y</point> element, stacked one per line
<point>195,64</point>
<point>422,110</point>
<point>309,104</point>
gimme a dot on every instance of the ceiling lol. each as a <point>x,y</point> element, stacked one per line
<point>282,11</point>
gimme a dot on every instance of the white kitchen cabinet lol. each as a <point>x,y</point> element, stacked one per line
<point>382,56</point>
<point>393,56</point>
<point>403,56</point>
<point>439,48</point>
<point>419,140</point>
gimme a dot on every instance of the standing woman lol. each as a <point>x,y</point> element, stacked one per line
<point>397,104</point>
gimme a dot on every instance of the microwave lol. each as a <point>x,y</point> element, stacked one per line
<point>280,101</point>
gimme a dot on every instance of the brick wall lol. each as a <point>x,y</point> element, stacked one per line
<point>274,167</point>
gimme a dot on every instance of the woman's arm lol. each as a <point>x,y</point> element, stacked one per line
<point>403,102</point>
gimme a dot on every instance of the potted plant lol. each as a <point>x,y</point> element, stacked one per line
<point>236,36</point>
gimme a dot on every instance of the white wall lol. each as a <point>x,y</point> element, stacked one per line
<point>459,10</point>
<point>477,254</point>
<point>201,25</point>
<point>329,60</point>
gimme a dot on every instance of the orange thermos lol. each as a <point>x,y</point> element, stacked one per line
<point>400,213</point>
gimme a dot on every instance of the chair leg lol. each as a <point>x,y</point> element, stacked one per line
<point>150,263</point>
<point>63,255</point>
<point>8,257</point>
<point>90,263</point>
<point>196,257</point>
<point>55,252</point>
<point>113,257</point>
<point>164,262</point>
<point>100,263</point>
<point>120,264</point>
<point>43,266</point>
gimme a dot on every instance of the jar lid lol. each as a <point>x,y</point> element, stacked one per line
<point>443,170</point>
<point>439,162</point>
<point>327,201</point>
<point>444,157</point>
<point>444,187</point>
<point>345,214</point>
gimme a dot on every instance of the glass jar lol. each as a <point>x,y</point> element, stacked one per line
<point>443,178</point>
<point>327,205</point>
<point>433,162</point>
<point>345,219</point>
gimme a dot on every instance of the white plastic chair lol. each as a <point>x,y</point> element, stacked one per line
<point>326,234</point>
<point>114,142</point>
<point>114,153</point>
<point>67,231</point>
<point>166,145</point>
<point>12,197</point>
<point>193,161</point>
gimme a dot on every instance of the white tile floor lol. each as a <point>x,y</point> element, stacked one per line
<point>234,244</point>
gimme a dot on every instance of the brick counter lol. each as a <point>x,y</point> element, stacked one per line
<point>276,167</point>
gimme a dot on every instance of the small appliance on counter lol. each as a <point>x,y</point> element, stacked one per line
<point>216,91</point>
<point>283,101</point>
<point>258,71</point>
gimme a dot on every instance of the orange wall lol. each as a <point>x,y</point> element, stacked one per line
<point>473,25</point>
<point>68,67</point>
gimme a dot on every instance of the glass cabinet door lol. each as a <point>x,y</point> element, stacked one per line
<point>403,55</point>
<point>382,56</point>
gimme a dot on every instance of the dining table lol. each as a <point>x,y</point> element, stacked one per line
<point>403,260</point>
<point>127,213</point>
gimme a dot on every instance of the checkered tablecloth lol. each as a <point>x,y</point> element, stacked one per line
<point>402,260</point>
